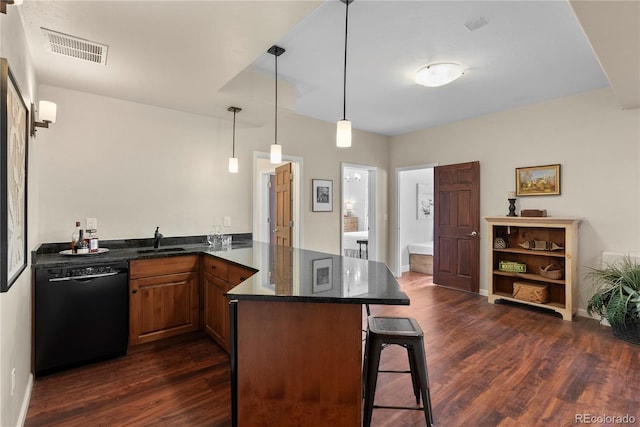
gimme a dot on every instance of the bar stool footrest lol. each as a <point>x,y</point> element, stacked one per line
<point>411,408</point>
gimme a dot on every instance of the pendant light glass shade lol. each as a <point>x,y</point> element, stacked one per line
<point>343,128</point>
<point>343,134</point>
<point>233,164</point>
<point>276,154</point>
<point>233,160</point>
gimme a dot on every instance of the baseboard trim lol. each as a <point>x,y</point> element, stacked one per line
<point>25,402</point>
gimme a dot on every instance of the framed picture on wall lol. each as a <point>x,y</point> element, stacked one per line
<point>322,193</point>
<point>424,201</point>
<point>14,130</point>
<point>538,180</point>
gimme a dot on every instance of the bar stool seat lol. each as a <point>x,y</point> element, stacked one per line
<point>406,332</point>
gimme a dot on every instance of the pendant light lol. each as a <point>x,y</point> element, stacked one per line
<point>343,129</point>
<point>276,149</point>
<point>233,160</point>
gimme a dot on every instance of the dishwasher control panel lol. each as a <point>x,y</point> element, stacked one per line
<point>84,272</point>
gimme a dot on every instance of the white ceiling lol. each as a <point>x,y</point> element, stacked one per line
<point>203,56</point>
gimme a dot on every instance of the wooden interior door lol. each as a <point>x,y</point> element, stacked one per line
<point>284,205</point>
<point>456,224</point>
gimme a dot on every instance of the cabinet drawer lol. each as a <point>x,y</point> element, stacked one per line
<point>216,267</point>
<point>239,274</point>
<point>162,266</point>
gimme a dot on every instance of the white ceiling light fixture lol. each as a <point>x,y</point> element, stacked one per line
<point>343,128</point>
<point>276,149</point>
<point>438,74</point>
<point>233,160</point>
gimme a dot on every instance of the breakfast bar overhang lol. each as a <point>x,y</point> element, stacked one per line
<point>296,336</point>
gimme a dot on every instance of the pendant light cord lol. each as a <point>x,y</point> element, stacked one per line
<point>275,138</point>
<point>344,80</point>
<point>234,134</point>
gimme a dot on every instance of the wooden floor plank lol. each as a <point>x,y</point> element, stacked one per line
<point>489,365</point>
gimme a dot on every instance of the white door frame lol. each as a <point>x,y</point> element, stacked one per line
<point>260,192</point>
<point>397,239</point>
<point>372,207</point>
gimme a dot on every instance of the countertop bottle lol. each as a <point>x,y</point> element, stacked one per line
<point>93,240</point>
<point>75,236</point>
<point>82,246</point>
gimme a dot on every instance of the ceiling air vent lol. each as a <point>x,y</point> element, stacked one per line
<point>75,47</point>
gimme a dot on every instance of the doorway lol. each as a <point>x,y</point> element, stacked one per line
<point>263,213</point>
<point>415,219</point>
<point>358,207</point>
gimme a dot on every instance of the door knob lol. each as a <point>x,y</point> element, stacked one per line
<point>473,234</point>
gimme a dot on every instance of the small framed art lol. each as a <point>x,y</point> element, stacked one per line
<point>322,193</point>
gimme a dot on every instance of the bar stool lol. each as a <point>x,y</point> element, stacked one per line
<point>364,242</point>
<point>406,332</point>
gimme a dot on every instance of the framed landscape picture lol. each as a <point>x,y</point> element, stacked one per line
<point>538,180</point>
<point>322,193</point>
<point>13,189</point>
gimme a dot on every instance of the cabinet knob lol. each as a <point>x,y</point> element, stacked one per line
<point>134,291</point>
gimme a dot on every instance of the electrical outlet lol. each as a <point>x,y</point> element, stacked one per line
<point>227,221</point>
<point>92,223</point>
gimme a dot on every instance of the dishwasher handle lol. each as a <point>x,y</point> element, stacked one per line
<point>83,278</point>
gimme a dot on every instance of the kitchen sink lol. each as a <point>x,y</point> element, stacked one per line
<point>159,250</point>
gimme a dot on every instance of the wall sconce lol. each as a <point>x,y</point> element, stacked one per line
<point>47,113</point>
<point>4,3</point>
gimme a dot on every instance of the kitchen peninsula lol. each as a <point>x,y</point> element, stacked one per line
<point>296,337</point>
<point>296,326</point>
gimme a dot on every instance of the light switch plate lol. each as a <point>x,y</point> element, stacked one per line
<point>227,221</point>
<point>92,223</point>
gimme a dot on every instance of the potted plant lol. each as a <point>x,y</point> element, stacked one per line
<point>617,297</point>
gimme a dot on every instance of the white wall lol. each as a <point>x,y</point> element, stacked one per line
<point>135,167</point>
<point>15,305</point>
<point>412,229</point>
<point>595,141</point>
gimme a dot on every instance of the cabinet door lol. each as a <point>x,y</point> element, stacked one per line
<point>163,306</point>
<point>216,309</point>
<point>239,274</point>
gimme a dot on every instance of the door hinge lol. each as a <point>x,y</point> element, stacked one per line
<point>291,177</point>
<point>269,184</point>
<point>290,223</point>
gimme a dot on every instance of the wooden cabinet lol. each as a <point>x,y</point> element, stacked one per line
<point>218,277</point>
<point>350,223</point>
<point>506,237</point>
<point>164,298</point>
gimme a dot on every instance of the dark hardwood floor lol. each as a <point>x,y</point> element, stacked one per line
<point>489,365</point>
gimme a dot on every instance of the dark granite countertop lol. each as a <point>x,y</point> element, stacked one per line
<point>283,274</point>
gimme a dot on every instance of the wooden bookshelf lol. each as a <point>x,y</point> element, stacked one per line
<point>563,292</point>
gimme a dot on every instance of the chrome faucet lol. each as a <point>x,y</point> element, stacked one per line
<point>156,238</point>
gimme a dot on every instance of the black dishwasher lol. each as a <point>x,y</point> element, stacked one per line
<point>81,315</point>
